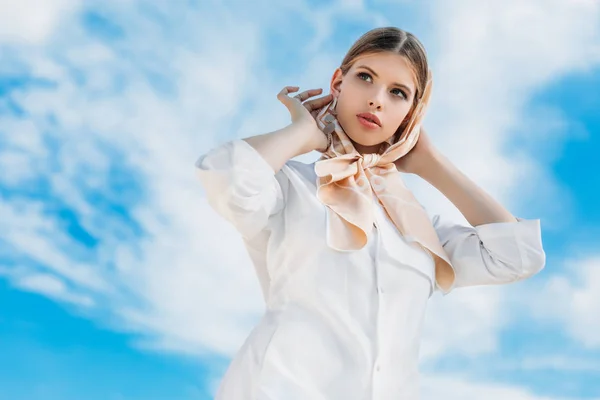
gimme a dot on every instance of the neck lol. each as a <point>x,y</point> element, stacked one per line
<point>362,149</point>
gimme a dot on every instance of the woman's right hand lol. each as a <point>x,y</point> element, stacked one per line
<point>304,113</point>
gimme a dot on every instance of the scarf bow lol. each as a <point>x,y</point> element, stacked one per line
<point>349,182</point>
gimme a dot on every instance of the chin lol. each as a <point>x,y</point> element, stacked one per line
<point>366,141</point>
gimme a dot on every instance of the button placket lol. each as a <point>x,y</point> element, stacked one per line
<point>376,372</point>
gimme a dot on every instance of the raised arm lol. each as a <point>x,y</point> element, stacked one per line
<point>243,178</point>
<point>497,247</point>
<point>300,137</point>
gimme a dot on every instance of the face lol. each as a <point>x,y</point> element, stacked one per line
<point>382,84</point>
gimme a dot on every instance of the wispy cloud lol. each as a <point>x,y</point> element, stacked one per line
<point>33,21</point>
<point>572,299</point>
<point>52,287</point>
<point>457,388</point>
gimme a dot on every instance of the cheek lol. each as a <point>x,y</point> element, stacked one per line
<point>345,108</point>
<point>397,115</point>
<point>347,100</point>
<point>401,115</point>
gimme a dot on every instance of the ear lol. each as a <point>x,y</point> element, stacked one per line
<point>336,82</point>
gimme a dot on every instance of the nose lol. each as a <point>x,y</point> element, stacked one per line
<point>372,103</point>
<point>377,98</point>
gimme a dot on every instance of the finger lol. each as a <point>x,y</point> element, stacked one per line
<point>287,90</point>
<point>308,93</point>
<point>318,103</point>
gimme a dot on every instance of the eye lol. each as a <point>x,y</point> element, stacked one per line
<point>364,74</point>
<point>361,74</point>
<point>401,93</point>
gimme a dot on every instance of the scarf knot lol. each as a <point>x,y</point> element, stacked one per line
<point>347,181</point>
<point>369,160</point>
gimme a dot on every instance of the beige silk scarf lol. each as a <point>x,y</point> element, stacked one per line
<point>347,181</point>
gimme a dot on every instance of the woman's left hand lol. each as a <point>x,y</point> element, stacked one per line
<point>418,157</point>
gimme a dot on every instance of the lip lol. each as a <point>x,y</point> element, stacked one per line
<point>370,117</point>
<point>367,123</point>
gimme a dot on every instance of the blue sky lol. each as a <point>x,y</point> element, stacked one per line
<point>113,287</point>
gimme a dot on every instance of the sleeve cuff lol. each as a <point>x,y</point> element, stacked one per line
<point>522,237</point>
<point>247,171</point>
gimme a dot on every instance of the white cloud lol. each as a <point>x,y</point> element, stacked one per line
<point>184,286</point>
<point>558,362</point>
<point>464,323</point>
<point>29,232</point>
<point>52,287</point>
<point>457,388</point>
<point>493,58</point>
<point>572,299</point>
<point>46,284</point>
<point>32,21</point>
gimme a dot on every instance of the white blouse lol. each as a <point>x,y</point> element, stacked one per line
<point>340,325</point>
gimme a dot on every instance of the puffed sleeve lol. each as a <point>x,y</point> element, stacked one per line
<point>241,186</point>
<point>494,253</point>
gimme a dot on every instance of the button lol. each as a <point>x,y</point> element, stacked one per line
<point>380,290</point>
<point>377,368</point>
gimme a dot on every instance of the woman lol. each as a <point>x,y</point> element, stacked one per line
<point>346,256</point>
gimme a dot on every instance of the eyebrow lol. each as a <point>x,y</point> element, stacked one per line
<point>377,76</point>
